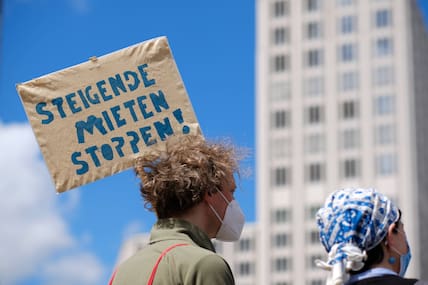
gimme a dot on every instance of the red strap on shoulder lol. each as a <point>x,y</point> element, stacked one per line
<point>155,268</point>
<point>112,277</point>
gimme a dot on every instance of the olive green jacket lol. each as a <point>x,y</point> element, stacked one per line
<point>196,263</point>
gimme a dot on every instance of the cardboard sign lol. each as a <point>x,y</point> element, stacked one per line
<point>93,119</point>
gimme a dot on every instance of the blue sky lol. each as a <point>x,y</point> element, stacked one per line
<point>74,238</point>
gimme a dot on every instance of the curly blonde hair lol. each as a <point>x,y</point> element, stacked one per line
<point>177,177</point>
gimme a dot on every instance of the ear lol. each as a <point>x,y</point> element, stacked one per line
<point>391,237</point>
<point>208,197</point>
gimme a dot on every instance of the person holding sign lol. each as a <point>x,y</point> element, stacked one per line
<point>190,186</point>
<point>362,232</point>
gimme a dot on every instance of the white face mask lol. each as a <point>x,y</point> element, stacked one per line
<point>232,223</point>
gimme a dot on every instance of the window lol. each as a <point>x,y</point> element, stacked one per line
<point>313,237</point>
<point>281,216</point>
<point>347,25</point>
<point>245,244</point>
<point>311,212</point>
<point>345,2</point>
<point>280,8</point>
<point>314,86</point>
<point>383,75</point>
<point>314,58</point>
<point>314,114</point>
<point>281,36</point>
<point>314,143</point>
<point>281,264</point>
<point>281,147</point>
<point>386,164</point>
<point>347,53</point>
<point>280,91</point>
<point>383,18</point>
<point>217,245</point>
<point>311,261</point>
<point>383,47</point>
<point>245,268</point>
<point>349,110</point>
<point>314,172</point>
<point>281,176</point>
<point>385,134</point>
<point>384,105</point>
<point>281,63</point>
<point>350,168</point>
<point>348,81</point>
<point>313,30</point>
<point>349,139</point>
<point>281,119</point>
<point>312,5</point>
<point>281,240</point>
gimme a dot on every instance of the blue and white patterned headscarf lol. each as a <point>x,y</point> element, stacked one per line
<point>352,221</point>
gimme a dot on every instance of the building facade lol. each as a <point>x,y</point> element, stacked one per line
<point>340,97</point>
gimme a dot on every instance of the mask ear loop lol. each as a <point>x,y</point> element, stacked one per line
<point>215,213</point>
<point>224,197</point>
<point>392,260</point>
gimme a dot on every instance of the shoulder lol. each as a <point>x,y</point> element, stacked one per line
<point>201,258</point>
<point>213,262</point>
<point>190,264</point>
<point>195,252</point>
<point>210,269</point>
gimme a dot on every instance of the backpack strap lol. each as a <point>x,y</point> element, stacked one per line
<point>112,277</point>
<point>155,268</point>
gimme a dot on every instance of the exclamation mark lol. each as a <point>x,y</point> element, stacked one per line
<point>179,116</point>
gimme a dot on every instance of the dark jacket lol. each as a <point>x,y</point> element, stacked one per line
<point>386,280</point>
<point>196,263</point>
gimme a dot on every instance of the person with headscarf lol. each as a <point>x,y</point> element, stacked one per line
<point>362,232</point>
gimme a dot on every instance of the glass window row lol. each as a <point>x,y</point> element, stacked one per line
<point>348,81</point>
<point>349,168</point>
<point>383,105</point>
<point>315,143</point>
<point>314,30</point>
<point>346,53</point>
<point>281,8</point>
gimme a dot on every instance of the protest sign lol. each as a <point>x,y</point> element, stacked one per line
<point>93,119</point>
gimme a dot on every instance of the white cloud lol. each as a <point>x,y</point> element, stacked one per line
<point>72,270</point>
<point>133,228</point>
<point>70,203</point>
<point>34,232</point>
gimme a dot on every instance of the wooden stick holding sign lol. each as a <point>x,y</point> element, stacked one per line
<point>93,119</point>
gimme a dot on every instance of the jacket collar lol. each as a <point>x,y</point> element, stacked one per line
<point>177,229</point>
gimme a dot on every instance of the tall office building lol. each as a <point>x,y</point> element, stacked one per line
<point>341,98</point>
